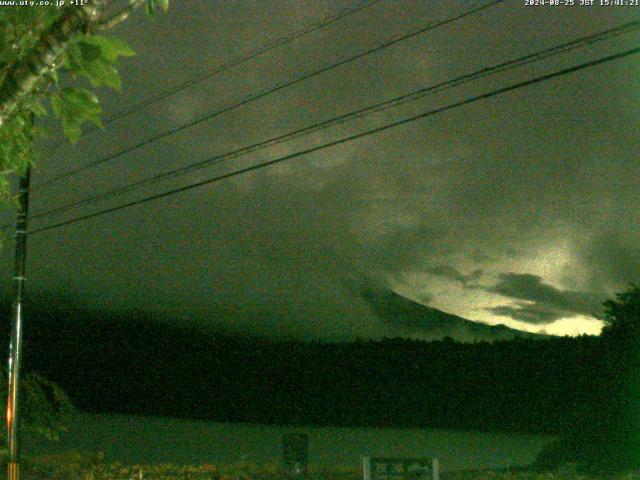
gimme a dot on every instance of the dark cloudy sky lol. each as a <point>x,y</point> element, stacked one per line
<point>522,209</point>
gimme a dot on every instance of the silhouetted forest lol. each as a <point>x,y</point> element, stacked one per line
<point>109,363</point>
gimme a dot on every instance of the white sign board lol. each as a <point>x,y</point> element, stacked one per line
<point>382,468</point>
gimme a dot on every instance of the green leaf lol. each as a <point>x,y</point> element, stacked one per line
<point>95,56</point>
<point>41,132</point>
<point>53,74</point>
<point>76,106</point>
<point>37,108</point>
<point>89,51</point>
<point>101,72</point>
<point>16,145</point>
<point>73,58</point>
<point>151,7</point>
<point>57,105</point>
<point>111,47</point>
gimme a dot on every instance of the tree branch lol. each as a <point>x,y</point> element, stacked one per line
<point>120,16</point>
<point>22,77</point>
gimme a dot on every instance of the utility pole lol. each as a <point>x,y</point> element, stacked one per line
<point>15,347</point>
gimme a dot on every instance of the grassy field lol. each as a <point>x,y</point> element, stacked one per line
<point>151,440</point>
<point>77,466</point>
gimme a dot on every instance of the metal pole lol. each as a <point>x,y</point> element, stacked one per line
<point>15,347</point>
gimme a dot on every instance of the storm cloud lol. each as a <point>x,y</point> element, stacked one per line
<point>447,271</point>
<point>535,313</point>
<point>547,302</point>
<point>539,181</point>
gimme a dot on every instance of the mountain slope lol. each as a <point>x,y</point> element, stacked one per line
<point>416,319</point>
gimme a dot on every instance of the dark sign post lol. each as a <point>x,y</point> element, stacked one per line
<point>376,468</point>
<point>294,454</point>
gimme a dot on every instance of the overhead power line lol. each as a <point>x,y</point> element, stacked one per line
<point>360,113</point>
<point>234,62</point>
<point>252,98</point>
<point>343,140</point>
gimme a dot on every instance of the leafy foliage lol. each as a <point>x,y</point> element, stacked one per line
<point>44,407</point>
<point>605,433</point>
<point>75,465</point>
<point>86,57</point>
<point>94,57</point>
<point>152,6</point>
<point>623,314</point>
<point>20,28</point>
<point>76,106</point>
<point>16,150</point>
